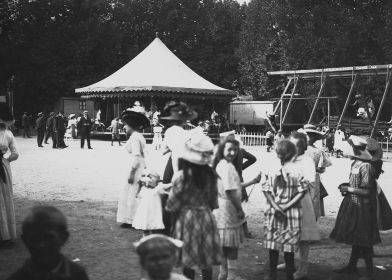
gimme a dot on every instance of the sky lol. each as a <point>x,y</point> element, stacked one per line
<point>243,1</point>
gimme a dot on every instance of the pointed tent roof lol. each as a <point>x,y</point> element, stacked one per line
<point>156,69</point>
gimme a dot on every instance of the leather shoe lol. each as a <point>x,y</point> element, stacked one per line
<point>90,148</point>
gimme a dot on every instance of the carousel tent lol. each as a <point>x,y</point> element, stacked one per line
<point>156,71</point>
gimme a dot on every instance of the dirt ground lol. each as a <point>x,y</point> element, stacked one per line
<point>85,185</point>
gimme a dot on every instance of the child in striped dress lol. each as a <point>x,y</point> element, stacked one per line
<point>283,215</point>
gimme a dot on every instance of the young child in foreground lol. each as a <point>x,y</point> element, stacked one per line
<point>157,254</point>
<point>44,232</point>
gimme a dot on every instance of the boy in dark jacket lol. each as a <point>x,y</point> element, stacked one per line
<point>44,232</point>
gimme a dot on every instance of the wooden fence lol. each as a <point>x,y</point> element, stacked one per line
<point>253,139</point>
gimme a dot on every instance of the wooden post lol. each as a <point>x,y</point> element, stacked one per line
<point>347,100</point>
<point>318,97</point>
<point>291,99</point>
<point>118,106</point>
<point>281,115</point>
<point>329,110</point>
<point>384,98</point>
<point>281,97</point>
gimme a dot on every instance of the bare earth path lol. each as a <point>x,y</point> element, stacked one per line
<point>85,185</point>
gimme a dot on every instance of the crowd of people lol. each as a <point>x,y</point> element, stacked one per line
<point>196,206</point>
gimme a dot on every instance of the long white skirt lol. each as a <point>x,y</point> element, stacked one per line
<point>7,212</point>
<point>127,203</point>
<point>149,211</point>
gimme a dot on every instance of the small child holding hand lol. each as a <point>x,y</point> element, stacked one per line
<point>148,215</point>
<point>44,232</point>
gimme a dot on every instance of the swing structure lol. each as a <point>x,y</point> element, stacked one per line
<point>325,74</point>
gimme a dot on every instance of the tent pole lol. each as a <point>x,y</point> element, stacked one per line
<point>384,98</point>
<point>329,111</point>
<point>281,116</point>
<point>281,97</point>
<point>348,99</point>
<point>323,79</point>
<point>118,106</point>
<point>291,99</point>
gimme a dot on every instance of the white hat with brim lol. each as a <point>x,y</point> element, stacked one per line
<point>311,130</point>
<point>198,148</point>
<point>356,148</point>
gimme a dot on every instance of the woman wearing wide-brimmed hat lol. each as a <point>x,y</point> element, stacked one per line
<point>7,142</point>
<point>356,222</point>
<point>134,122</point>
<point>193,196</point>
<point>384,211</point>
<point>175,115</point>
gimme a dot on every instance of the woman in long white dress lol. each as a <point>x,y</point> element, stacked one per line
<point>134,121</point>
<point>7,212</point>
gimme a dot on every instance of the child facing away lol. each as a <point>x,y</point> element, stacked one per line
<point>157,253</point>
<point>44,232</point>
<point>148,216</point>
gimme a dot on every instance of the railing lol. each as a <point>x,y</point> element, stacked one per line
<point>387,148</point>
<point>253,139</point>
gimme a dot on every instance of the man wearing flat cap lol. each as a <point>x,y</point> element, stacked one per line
<point>40,126</point>
<point>84,126</point>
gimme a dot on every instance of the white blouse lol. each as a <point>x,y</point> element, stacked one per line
<point>7,141</point>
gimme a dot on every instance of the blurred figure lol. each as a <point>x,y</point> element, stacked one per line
<point>7,142</point>
<point>44,233</point>
<point>157,255</point>
<point>49,128</point>
<point>84,126</point>
<point>40,126</point>
<point>60,124</point>
<point>26,125</point>
<point>72,122</point>
<point>115,130</point>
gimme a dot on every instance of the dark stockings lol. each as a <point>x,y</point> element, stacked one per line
<point>190,273</point>
<point>368,257</point>
<point>289,260</point>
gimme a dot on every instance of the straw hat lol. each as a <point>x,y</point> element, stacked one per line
<point>198,148</point>
<point>357,148</point>
<point>178,111</point>
<point>374,148</point>
<point>311,130</point>
<point>85,112</point>
<point>39,114</point>
<point>135,119</point>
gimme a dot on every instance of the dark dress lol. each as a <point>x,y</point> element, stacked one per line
<point>66,271</point>
<point>356,223</point>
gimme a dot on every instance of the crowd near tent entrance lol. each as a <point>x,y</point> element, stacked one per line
<point>154,77</point>
<point>324,75</point>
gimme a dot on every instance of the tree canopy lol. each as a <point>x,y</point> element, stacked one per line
<point>55,46</point>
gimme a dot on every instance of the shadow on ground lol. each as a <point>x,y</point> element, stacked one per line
<point>106,250</point>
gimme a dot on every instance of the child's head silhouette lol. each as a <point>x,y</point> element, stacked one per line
<point>44,232</point>
<point>157,254</point>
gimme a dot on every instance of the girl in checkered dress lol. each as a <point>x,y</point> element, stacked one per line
<point>192,198</point>
<point>283,189</point>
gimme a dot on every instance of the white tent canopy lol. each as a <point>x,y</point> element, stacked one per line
<point>155,71</point>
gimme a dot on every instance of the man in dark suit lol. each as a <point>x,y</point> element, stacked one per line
<point>84,126</point>
<point>40,126</point>
<point>59,124</point>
